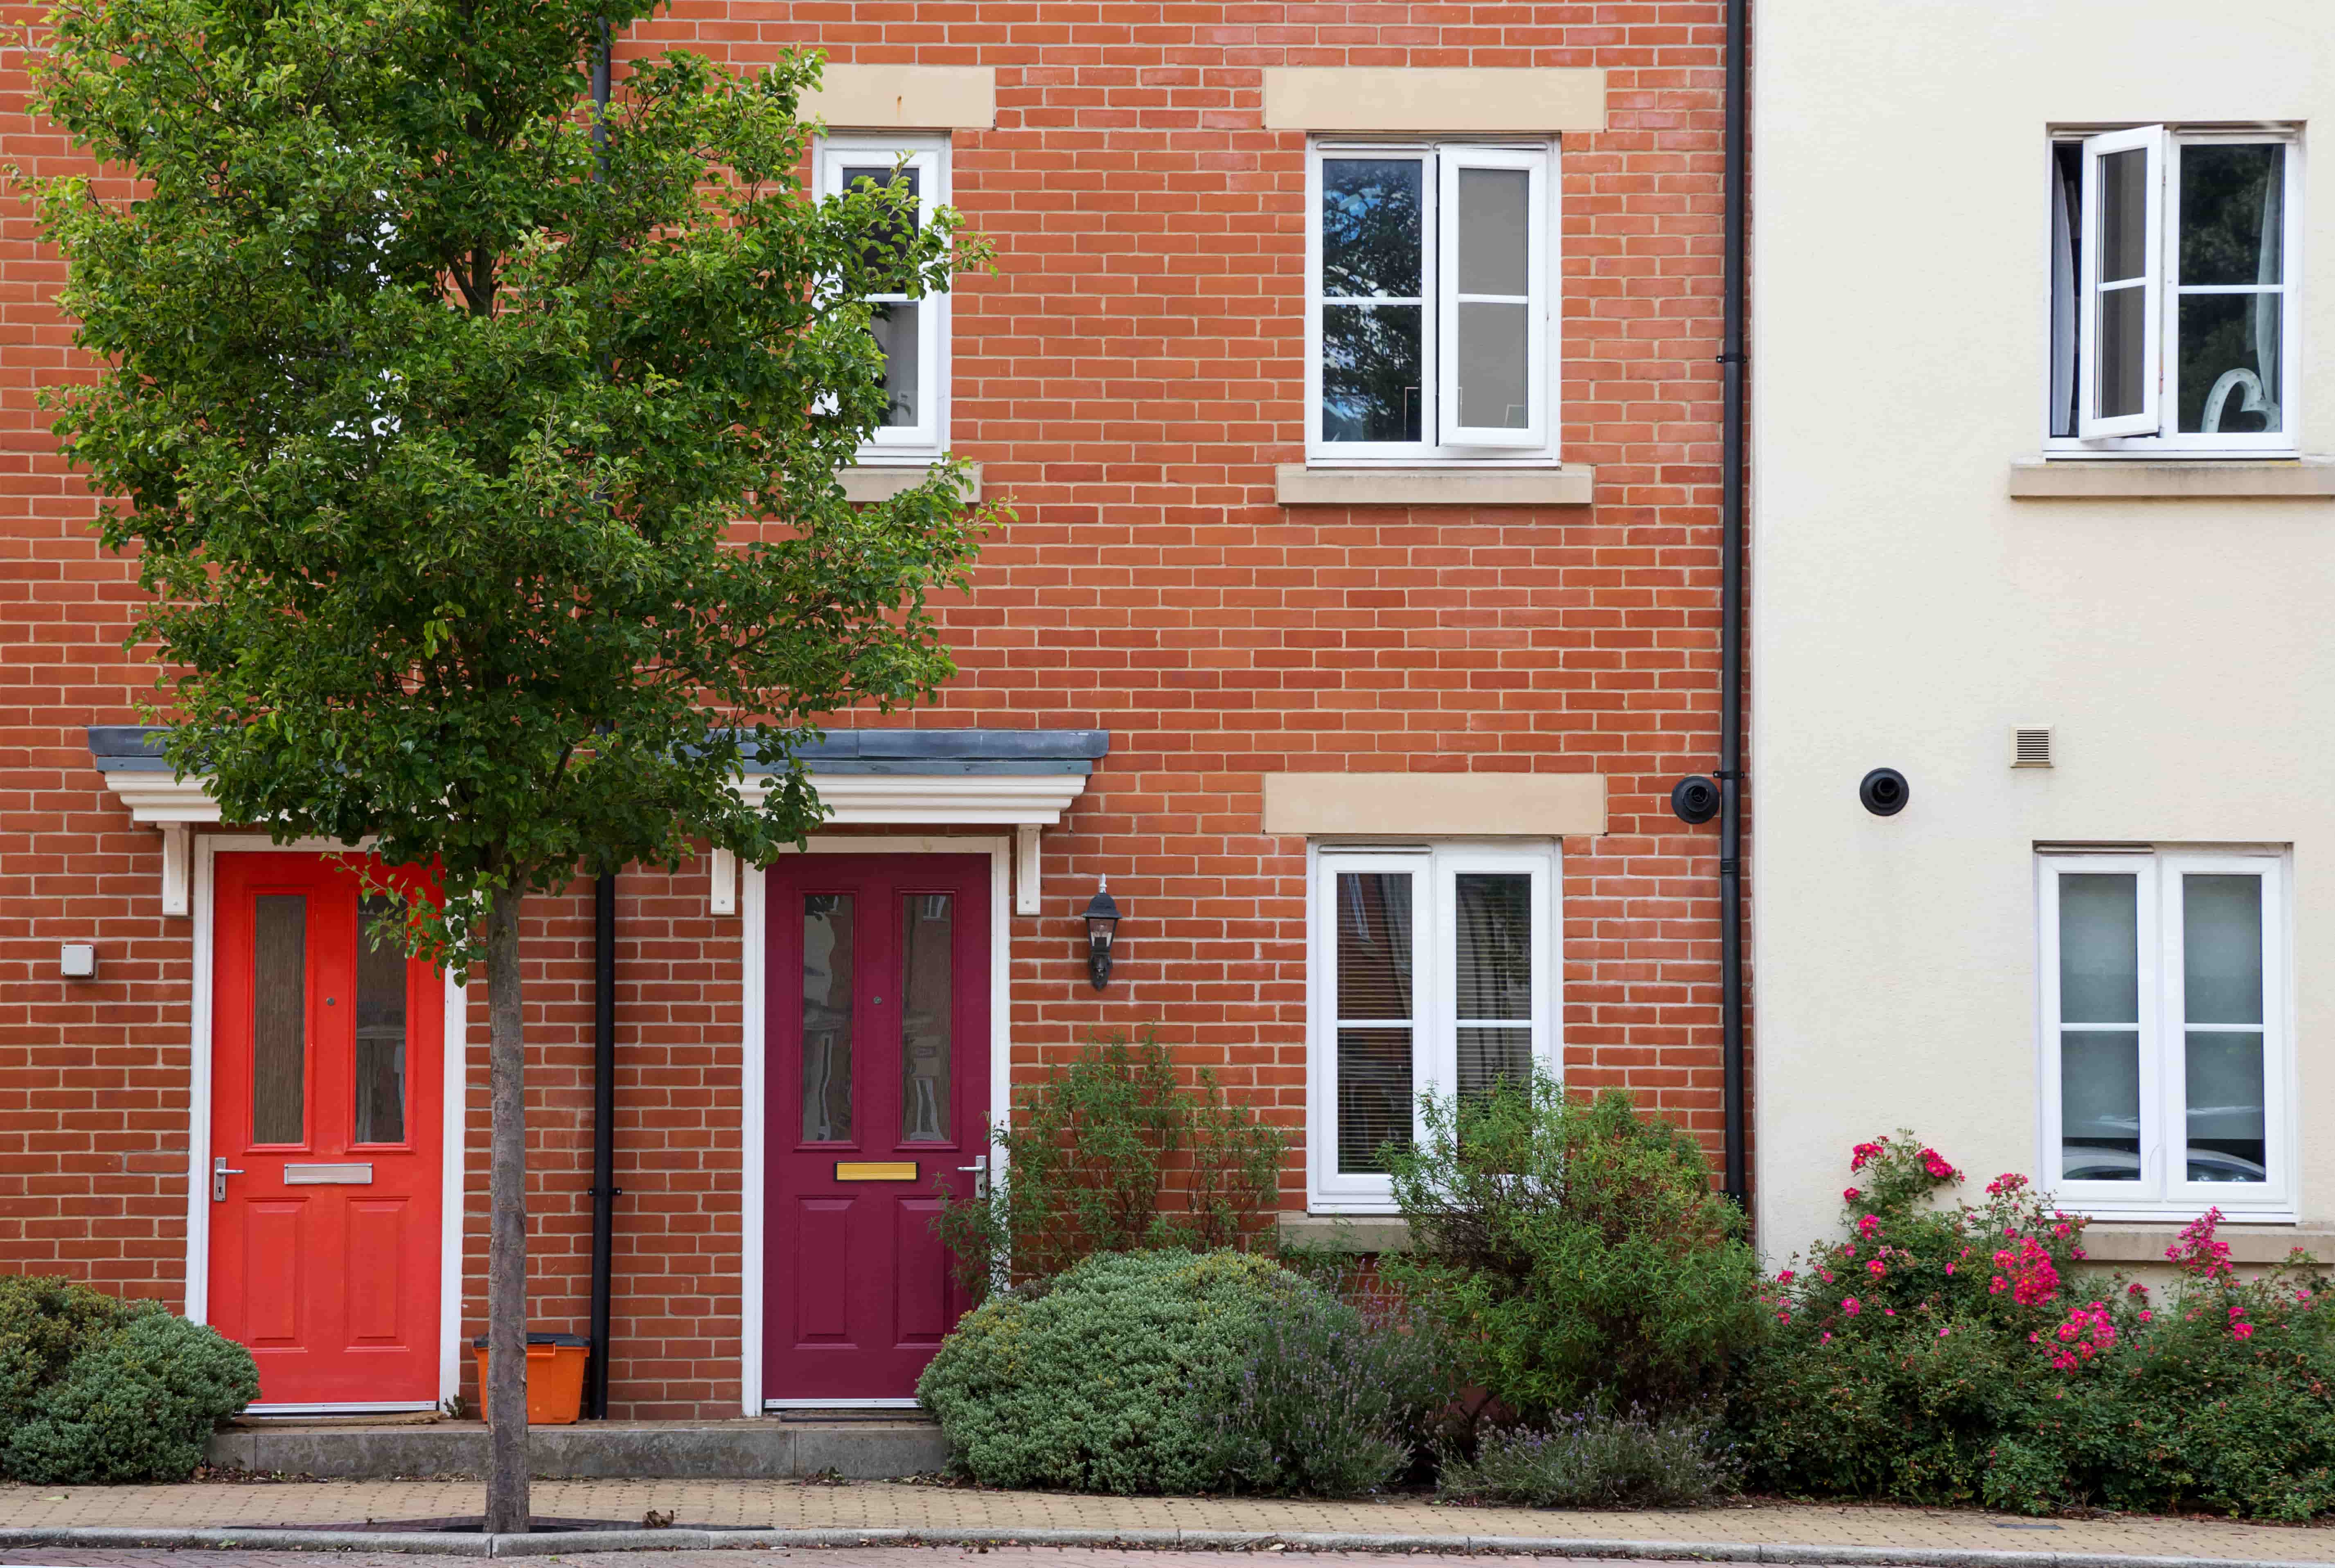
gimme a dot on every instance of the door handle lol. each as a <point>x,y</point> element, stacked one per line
<point>980,1169</point>
<point>219,1173</point>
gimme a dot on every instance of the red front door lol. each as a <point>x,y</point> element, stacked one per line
<point>879,1031</point>
<point>325,1139</point>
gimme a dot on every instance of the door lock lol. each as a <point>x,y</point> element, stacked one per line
<point>219,1173</point>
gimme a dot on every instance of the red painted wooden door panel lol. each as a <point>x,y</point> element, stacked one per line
<point>326,1106</point>
<point>879,1031</point>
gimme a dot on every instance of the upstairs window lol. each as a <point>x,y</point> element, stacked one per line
<point>913,333</point>
<point>1430,326</point>
<point>2172,313</point>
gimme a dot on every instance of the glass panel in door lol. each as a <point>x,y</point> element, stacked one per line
<point>928,931</point>
<point>380,1031</point>
<point>826,979</point>
<point>279,1018</point>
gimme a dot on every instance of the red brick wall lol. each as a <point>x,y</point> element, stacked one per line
<point>1130,377</point>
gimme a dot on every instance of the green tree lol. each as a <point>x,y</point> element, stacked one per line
<point>478,449</point>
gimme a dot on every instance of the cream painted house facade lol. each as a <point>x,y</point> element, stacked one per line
<point>2044,370</point>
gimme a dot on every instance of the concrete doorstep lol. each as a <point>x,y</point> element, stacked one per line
<point>775,1448</point>
<point>684,1538</point>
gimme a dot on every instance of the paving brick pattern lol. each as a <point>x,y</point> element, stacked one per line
<point>1130,376</point>
<point>897,1505</point>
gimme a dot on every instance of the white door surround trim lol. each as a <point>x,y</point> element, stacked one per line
<point>198,1131</point>
<point>753,1084</point>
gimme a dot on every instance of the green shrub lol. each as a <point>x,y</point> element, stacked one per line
<point>95,1391</point>
<point>1333,1398</point>
<point>1113,1153</point>
<point>1574,1251</point>
<point>43,1323</point>
<point>1106,1378</point>
<point>1949,1355</point>
<point>1597,1460</point>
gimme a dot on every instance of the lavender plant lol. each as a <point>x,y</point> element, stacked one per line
<point>1595,1460</point>
<point>1333,1398</point>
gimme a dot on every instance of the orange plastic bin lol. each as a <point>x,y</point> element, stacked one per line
<point>555,1377</point>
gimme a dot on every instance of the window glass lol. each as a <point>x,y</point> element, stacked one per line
<point>928,924</point>
<point>826,982</point>
<point>380,1031</point>
<point>2099,1068</point>
<point>279,1018</point>
<point>2221,998</point>
<point>896,323</point>
<point>1492,961</point>
<point>2232,243</point>
<point>1372,320</point>
<point>1374,1039</point>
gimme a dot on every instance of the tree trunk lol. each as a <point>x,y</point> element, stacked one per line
<point>506,1390</point>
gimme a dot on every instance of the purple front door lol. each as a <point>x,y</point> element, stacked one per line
<point>878,1090</point>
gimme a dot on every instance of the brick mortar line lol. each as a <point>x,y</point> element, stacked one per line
<point>545,1544</point>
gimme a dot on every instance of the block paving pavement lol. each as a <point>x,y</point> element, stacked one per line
<point>938,1509</point>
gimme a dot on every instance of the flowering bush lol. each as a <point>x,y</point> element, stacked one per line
<point>1959,1354</point>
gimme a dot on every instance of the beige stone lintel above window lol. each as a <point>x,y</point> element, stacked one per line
<point>905,98</point>
<point>1514,101</point>
<point>1347,1233</point>
<point>1438,804</point>
<point>1296,485</point>
<point>882,481</point>
<point>2114,479</point>
<point>2138,1241</point>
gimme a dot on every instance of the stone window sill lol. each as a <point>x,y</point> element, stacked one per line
<point>1346,1232</point>
<point>1297,485</point>
<point>882,481</point>
<point>2144,1242</point>
<point>2205,478</point>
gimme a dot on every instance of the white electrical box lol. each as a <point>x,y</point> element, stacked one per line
<point>77,961</point>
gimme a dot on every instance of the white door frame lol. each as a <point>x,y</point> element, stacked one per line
<point>208,848</point>
<point>753,1086</point>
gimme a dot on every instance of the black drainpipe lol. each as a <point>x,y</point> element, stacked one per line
<point>604,974</point>
<point>1733,368</point>
<point>603,1128</point>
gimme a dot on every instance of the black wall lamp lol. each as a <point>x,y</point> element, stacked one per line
<point>1102,920</point>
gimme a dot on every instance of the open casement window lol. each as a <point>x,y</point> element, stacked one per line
<point>1430,304</point>
<point>912,334</point>
<point>2123,282</point>
<point>2171,300</point>
<point>1433,970</point>
<point>2165,1044</point>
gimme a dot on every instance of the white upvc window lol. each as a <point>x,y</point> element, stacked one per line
<point>913,333</point>
<point>2175,255</point>
<point>2166,1060</point>
<point>1431,969</point>
<point>1431,323</point>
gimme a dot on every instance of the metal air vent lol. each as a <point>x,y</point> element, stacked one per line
<point>2030,747</point>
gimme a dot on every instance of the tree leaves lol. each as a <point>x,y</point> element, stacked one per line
<point>489,500</point>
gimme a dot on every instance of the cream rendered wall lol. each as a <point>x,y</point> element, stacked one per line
<point>1906,612</point>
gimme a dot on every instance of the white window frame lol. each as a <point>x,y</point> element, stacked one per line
<point>2154,434</point>
<point>928,440</point>
<point>1442,440</point>
<point>2164,1191</point>
<point>1434,1026</point>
